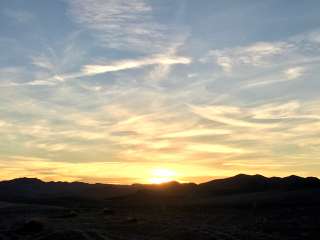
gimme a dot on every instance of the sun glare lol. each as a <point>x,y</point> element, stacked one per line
<point>161,175</point>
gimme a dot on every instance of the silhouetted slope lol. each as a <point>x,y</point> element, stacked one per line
<point>257,183</point>
<point>37,191</point>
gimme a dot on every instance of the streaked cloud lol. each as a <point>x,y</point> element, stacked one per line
<point>257,54</point>
<point>277,110</point>
<point>137,63</point>
<point>228,115</point>
<point>214,148</point>
<point>123,25</point>
<point>42,62</point>
<point>197,132</point>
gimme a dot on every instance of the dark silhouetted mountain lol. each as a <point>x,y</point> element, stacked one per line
<point>37,191</point>
<point>257,183</point>
<point>156,194</point>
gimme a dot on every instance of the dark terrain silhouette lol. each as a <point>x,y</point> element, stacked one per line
<point>34,190</point>
<point>239,207</point>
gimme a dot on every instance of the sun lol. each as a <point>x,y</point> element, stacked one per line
<point>161,175</point>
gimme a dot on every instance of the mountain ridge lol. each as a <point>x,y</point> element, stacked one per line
<point>238,176</point>
<point>38,191</point>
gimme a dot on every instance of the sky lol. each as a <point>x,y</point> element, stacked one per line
<point>118,91</point>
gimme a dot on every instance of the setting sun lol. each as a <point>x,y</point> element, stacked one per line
<point>162,175</point>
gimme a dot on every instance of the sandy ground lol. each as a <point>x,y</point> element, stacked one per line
<point>22,221</point>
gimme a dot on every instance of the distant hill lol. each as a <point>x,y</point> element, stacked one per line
<point>36,191</point>
<point>257,183</point>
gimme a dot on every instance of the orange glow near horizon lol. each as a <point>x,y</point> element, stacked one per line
<point>122,173</point>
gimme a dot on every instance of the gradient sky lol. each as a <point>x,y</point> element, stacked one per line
<point>123,91</point>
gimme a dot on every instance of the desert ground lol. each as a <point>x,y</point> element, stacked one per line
<point>31,221</point>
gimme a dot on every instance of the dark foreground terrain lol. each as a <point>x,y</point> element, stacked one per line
<point>242,207</point>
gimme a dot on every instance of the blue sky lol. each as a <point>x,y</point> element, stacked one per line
<point>108,91</point>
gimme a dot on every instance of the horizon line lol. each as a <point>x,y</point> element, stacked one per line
<point>156,184</point>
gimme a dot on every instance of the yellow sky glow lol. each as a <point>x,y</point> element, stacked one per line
<point>162,175</point>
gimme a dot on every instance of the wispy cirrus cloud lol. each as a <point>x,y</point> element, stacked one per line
<point>287,110</point>
<point>229,115</point>
<point>256,54</point>
<point>196,132</point>
<point>162,61</point>
<point>129,26</point>
<point>215,148</point>
<point>255,116</point>
<point>123,24</point>
<point>136,63</point>
<point>42,61</point>
<point>263,64</point>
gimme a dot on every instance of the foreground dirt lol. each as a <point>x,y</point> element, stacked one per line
<point>18,221</point>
